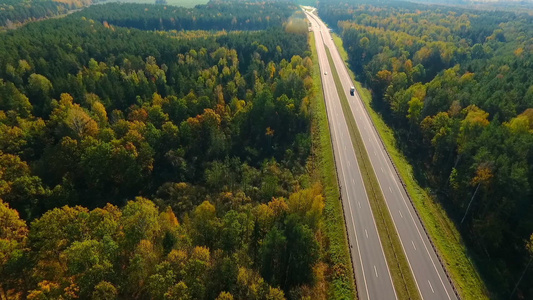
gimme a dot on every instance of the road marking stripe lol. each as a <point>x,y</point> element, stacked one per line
<point>395,179</point>
<point>413,244</point>
<point>400,213</point>
<point>359,204</point>
<point>376,270</point>
<point>351,213</point>
<point>321,48</point>
<point>390,189</point>
<point>366,232</point>
<point>431,287</point>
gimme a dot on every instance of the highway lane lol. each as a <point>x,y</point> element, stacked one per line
<point>370,266</point>
<point>429,273</point>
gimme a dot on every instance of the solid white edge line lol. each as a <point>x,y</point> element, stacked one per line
<point>403,246</point>
<point>332,125</point>
<point>373,220</point>
<point>381,246</point>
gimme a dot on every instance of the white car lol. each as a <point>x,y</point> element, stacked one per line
<point>325,73</point>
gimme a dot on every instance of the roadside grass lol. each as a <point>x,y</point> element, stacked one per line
<point>402,277</point>
<point>340,280</point>
<point>440,227</point>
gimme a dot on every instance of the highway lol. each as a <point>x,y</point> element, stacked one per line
<point>429,274</point>
<point>370,266</point>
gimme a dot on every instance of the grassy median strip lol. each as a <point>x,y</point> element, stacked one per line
<point>402,277</point>
<point>441,229</point>
<point>341,283</point>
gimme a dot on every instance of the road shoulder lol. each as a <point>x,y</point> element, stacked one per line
<point>341,282</point>
<point>441,230</point>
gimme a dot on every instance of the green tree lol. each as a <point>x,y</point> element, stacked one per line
<point>13,238</point>
<point>104,291</point>
<point>12,99</point>
<point>205,225</point>
<point>141,266</point>
<point>273,256</point>
<point>89,263</point>
<point>52,234</point>
<point>302,254</point>
<point>179,291</point>
<point>17,185</point>
<point>39,90</point>
<point>225,296</point>
<point>139,221</point>
<point>196,270</point>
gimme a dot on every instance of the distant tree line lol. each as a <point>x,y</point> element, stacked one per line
<point>17,12</point>
<point>216,15</point>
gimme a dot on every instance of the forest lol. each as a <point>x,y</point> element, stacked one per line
<point>14,13</point>
<point>456,86</point>
<point>158,165</point>
<point>216,15</point>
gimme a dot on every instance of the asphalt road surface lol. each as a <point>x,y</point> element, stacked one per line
<point>367,253</point>
<point>370,266</point>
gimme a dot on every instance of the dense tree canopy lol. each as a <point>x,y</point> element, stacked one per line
<point>216,15</point>
<point>207,132</point>
<point>456,85</point>
<point>18,12</point>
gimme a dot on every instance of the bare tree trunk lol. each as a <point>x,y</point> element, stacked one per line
<point>521,277</point>
<point>470,203</point>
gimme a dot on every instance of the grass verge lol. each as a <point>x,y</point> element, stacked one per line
<point>440,227</point>
<point>402,277</point>
<point>340,283</point>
